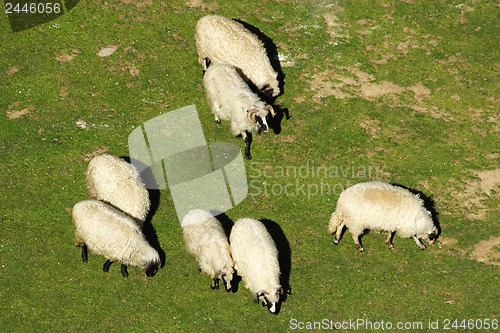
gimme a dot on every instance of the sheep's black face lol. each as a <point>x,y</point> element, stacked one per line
<point>152,269</point>
<point>272,307</point>
<point>267,91</point>
<point>432,237</point>
<point>262,124</point>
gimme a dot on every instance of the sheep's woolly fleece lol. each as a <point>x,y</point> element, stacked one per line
<point>383,207</point>
<point>256,257</point>
<point>206,240</point>
<point>111,233</point>
<point>225,41</point>
<point>230,98</point>
<point>117,182</point>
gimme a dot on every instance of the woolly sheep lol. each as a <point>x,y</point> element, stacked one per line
<point>231,99</point>
<point>383,207</point>
<point>207,242</point>
<point>225,41</point>
<point>256,261</point>
<point>113,234</point>
<point>117,182</point>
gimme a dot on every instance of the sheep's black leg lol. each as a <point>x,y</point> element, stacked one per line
<point>124,271</point>
<point>256,299</point>
<point>248,142</point>
<point>227,285</point>
<point>105,268</point>
<point>338,234</point>
<point>389,240</point>
<point>84,253</point>
<point>357,242</point>
<point>215,284</point>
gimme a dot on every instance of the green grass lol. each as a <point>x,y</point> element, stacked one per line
<point>442,139</point>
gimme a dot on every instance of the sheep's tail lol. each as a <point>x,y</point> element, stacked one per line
<point>335,222</point>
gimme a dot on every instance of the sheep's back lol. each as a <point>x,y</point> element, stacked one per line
<point>107,231</point>
<point>226,89</point>
<point>117,182</point>
<point>255,255</point>
<point>206,240</point>
<point>380,206</point>
<point>204,237</point>
<point>225,41</point>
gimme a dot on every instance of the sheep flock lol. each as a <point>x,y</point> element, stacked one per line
<point>240,84</point>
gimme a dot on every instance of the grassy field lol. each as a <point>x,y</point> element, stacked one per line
<point>399,91</point>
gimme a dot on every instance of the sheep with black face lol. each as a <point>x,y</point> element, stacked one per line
<point>256,260</point>
<point>113,234</point>
<point>231,99</point>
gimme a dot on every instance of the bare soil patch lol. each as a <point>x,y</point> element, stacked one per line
<point>485,251</point>
<point>362,85</point>
<point>97,151</point>
<point>201,5</point>
<point>15,114</point>
<point>64,57</point>
<point>11,71</point>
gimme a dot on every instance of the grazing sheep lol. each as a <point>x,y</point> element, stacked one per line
<point>113,234</point>
<point>222,40</point>
<point>384,207</point>
<point>117,182</point>
<point>207,242</point>
<point>231,99</point>
<point>256,261</point>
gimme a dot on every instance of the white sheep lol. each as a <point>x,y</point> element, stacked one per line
<point>231,99</point>
<point>222,40</point>
<point>113,234</point>
<point>117,182</point>
<point>206,240</point>
<point>382,207</point>
<point>256,261</point>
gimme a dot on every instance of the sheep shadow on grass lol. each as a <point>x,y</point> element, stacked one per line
<point>149,230</point>
<point>275,122</point>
